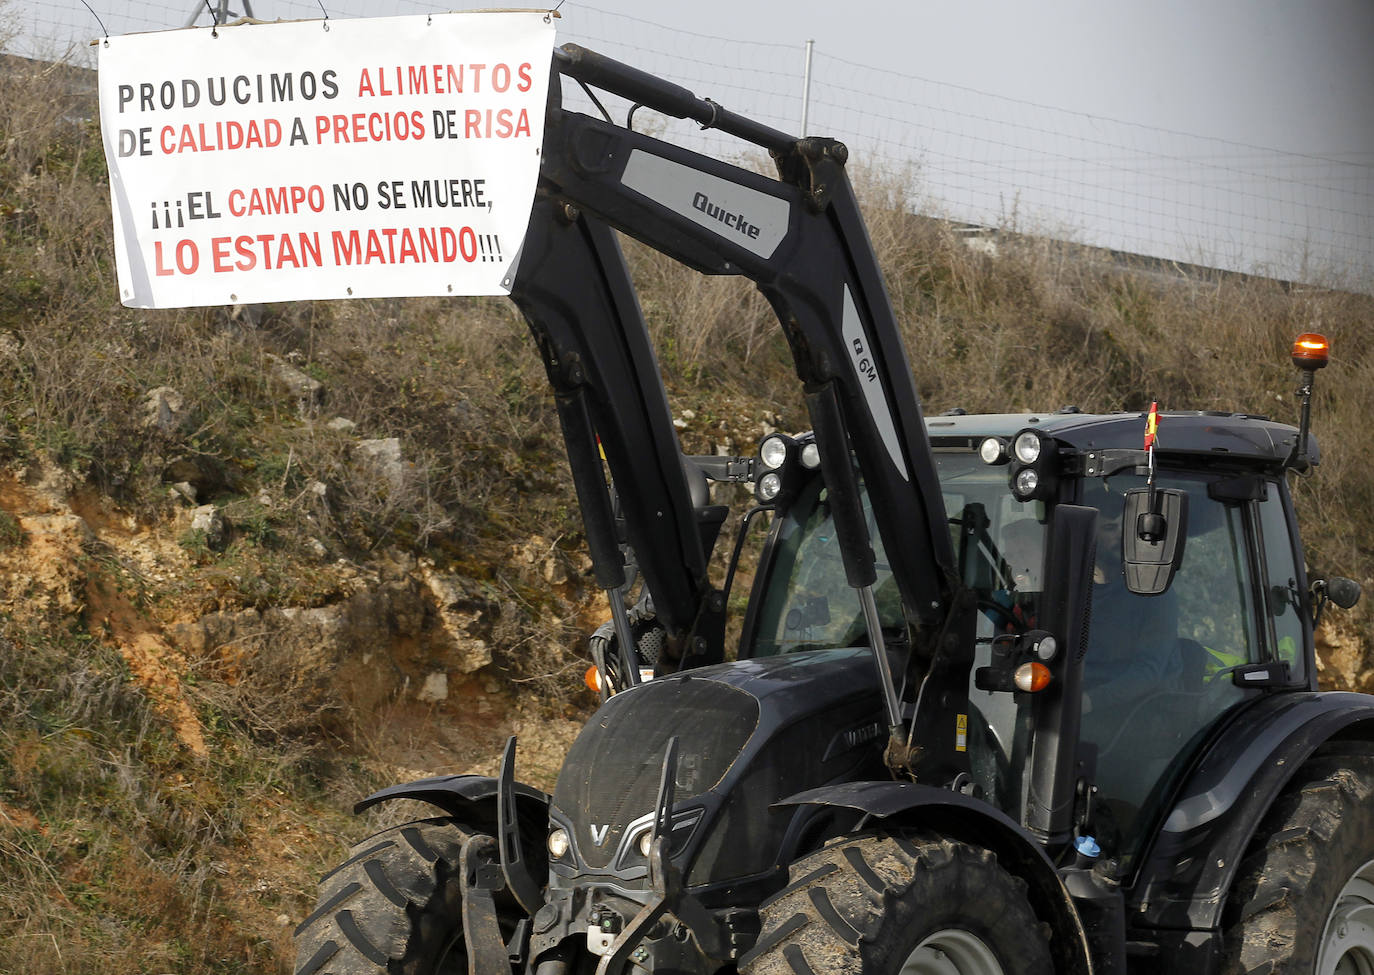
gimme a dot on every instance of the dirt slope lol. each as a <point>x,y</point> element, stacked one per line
<point>337,710</point>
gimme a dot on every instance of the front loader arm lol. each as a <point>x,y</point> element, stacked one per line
<point>575,292</point>
<point>801,239</point>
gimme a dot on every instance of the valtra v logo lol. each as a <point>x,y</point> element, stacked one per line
<point>599,833</point>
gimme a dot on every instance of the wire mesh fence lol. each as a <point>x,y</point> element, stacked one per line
<point>957,153</point>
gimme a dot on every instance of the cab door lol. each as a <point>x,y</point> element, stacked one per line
<point>1158,668</point>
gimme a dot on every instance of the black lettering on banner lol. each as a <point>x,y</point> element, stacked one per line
<point>389,195</point>
<point>135,142</point>
<point>452,192</point>
<point>286,86</point>
<point>350,197</point>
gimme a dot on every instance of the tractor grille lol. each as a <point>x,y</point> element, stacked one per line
<point>612,771</point>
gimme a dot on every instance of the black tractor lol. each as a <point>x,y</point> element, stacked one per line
<point>1020,693</point>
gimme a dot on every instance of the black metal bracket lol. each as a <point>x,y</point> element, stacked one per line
<point>665,879</point>
<point>480,877</point>
<point>514,868</point>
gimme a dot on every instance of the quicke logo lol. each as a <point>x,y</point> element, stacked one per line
<point>735,221</point>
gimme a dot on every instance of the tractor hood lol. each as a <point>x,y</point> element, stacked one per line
<point>745,737</point>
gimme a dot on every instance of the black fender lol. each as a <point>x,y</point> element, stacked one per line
<point>1187,872</point>
<point>471,799</point>
<point>975,822</point>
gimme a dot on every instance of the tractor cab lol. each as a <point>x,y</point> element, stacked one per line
<point>1174,646</point>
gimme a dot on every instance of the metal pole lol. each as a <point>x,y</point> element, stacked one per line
<point>806,88</point>
<point>629,659</point>
<point>219,13</point>
<point>879,646</point>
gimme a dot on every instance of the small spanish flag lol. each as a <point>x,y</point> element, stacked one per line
<point>1151,425</point>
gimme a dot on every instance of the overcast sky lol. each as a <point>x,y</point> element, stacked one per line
<point>1296,75</point>
<point>1284,75</point>
<point>1290,75</point>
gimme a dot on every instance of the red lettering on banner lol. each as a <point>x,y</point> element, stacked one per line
<point>273,200</point>
<point>369,127</point>
<point>442,79</point>
<point>186,258</point>
<point>490,123</point>
<point>404,245</point>
<point>220,136</point>
<point>267,252</point>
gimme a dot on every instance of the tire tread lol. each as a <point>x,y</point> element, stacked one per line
<point>374,907</point>
<point>1317,829</point>
<point>851,908</point>
<point>348,925</point>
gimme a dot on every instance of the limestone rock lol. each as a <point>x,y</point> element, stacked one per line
<point>384,456</point>
<point>307,391</point>
<point>164,410</point>
<point>208,519</point>
<point>434,689</point>
<point>461,617</point>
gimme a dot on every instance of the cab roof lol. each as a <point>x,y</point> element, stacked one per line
<point>1221,436</point>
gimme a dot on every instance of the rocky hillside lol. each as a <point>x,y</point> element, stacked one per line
<point>255,562</point>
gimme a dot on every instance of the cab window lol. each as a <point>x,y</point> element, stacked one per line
<point>808,604</point>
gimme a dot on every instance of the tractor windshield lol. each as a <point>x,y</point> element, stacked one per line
<point>807,604</point>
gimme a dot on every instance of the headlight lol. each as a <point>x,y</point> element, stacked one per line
<point>1027,446</point>
<point>993,450</point>
<point>811,456</point>
<point>646,842</point>
<point>769,486</point>
<point>1026,482</point>
<point>777,471</point>
<point>558,844</point>
<point>773,452</point>
<point>1034,475</point>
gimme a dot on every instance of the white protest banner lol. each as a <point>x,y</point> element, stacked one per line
<point>323,159</point>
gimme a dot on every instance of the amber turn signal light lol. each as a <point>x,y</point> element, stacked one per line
<point>593,679</point>
<point>1311,351</point>
<point>1031,677</point>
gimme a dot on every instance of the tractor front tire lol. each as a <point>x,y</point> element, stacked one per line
<point>394,907</point>
<point>1303,901</point>
<point>915,904</point>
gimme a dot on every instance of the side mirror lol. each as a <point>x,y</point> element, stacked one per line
<point>1344,592</point>
<point>1152,536</point>
<point>1333,589</point>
